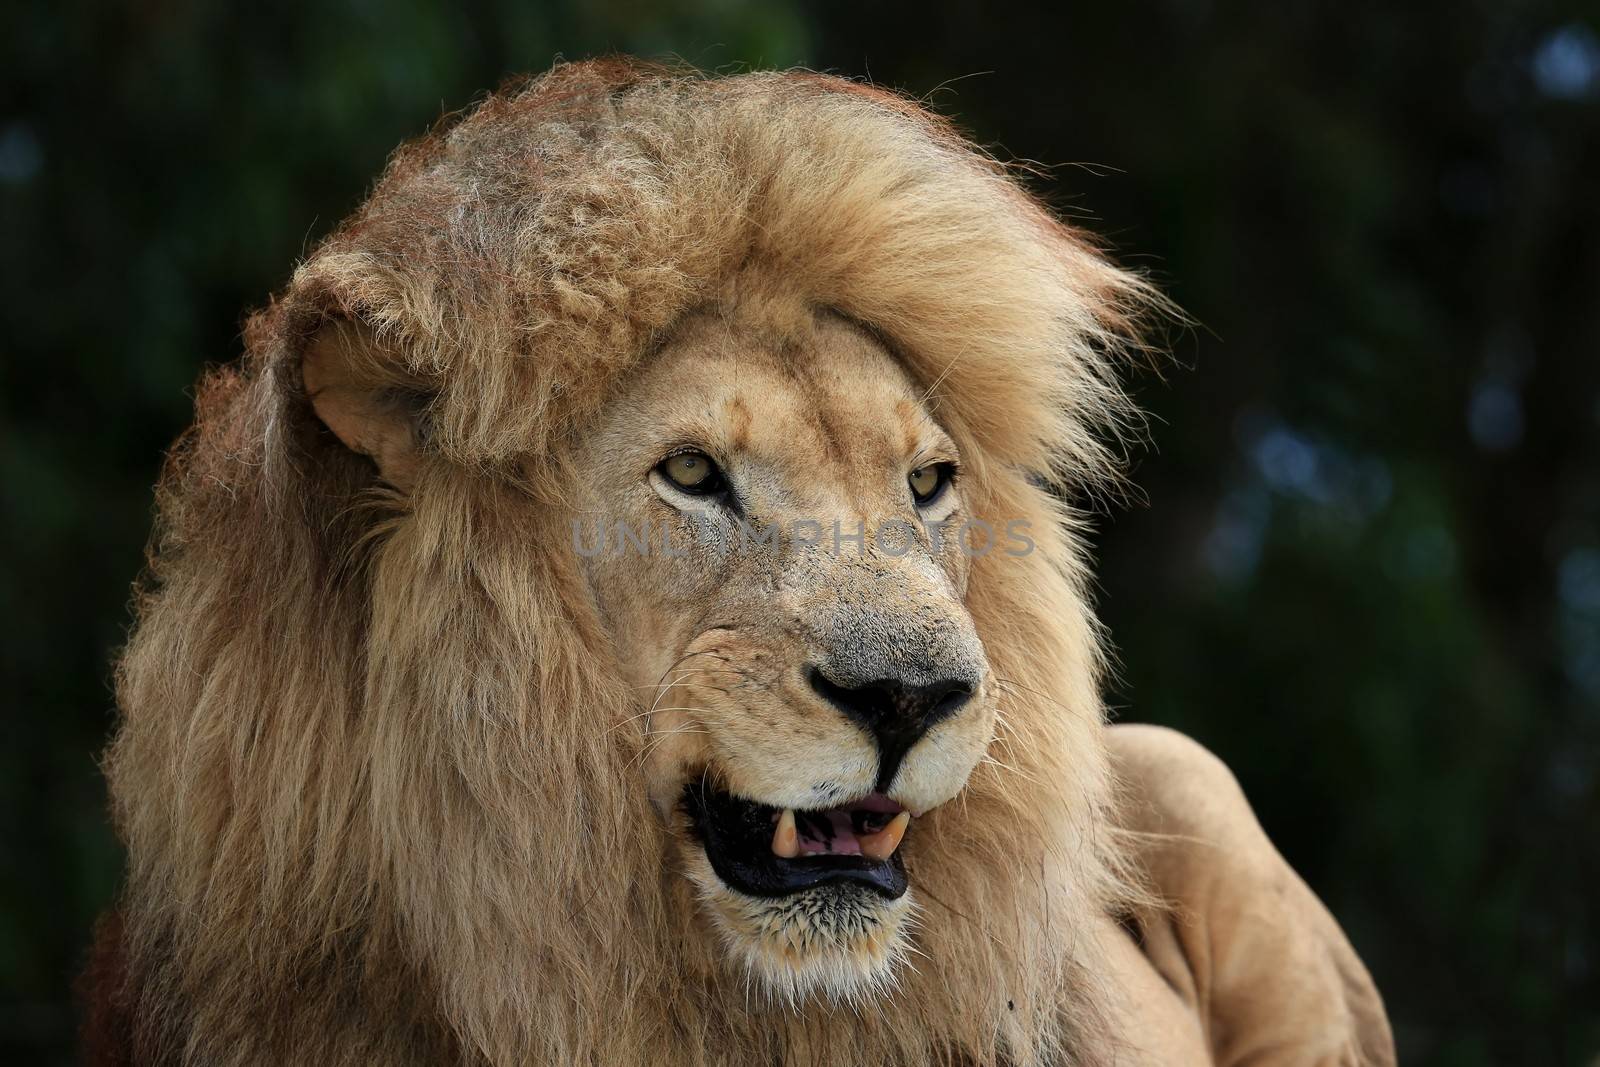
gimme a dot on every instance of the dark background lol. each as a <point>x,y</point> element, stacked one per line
<point>1368,569</point>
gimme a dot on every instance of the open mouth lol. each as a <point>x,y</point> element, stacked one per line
<point>773,852</point>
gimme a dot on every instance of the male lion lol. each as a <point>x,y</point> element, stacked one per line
<point>618,613</point>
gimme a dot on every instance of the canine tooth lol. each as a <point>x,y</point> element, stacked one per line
<point>881,845</point>
<point>785,841</point>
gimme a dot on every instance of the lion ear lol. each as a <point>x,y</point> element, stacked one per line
<point>341,369</point>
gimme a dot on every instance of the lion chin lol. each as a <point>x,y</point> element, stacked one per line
<point>844,944</point>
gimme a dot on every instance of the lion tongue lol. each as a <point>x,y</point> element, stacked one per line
<point>827,832</point>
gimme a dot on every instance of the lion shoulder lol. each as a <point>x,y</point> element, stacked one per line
<point>1172,784</point>
<point>1242,939</point>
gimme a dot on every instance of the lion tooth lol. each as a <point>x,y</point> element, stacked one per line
<point>881,845</point>
<point>785,841</point>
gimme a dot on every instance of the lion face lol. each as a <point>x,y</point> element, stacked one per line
<point>773,541</point>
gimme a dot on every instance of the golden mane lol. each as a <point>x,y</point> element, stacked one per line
<point>373,766</point>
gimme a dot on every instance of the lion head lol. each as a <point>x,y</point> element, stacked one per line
<point>619,608</point>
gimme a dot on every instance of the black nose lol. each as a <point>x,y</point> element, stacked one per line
<point>895,714</point>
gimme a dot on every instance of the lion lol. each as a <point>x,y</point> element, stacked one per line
<point>624,608</point>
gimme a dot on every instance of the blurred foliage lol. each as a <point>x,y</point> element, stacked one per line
<point>1368,570</point>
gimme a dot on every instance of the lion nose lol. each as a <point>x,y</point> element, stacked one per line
<point>895,714</point>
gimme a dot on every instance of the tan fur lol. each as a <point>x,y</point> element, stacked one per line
<point>385,765</point>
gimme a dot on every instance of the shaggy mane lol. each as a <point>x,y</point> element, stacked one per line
<point>375,771</point>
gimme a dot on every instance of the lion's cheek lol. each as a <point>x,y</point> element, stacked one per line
<point>675,749</point>
<point>792,760</point>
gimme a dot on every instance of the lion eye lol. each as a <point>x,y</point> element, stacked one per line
<point>927,483</point>
<point>692,472</point>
